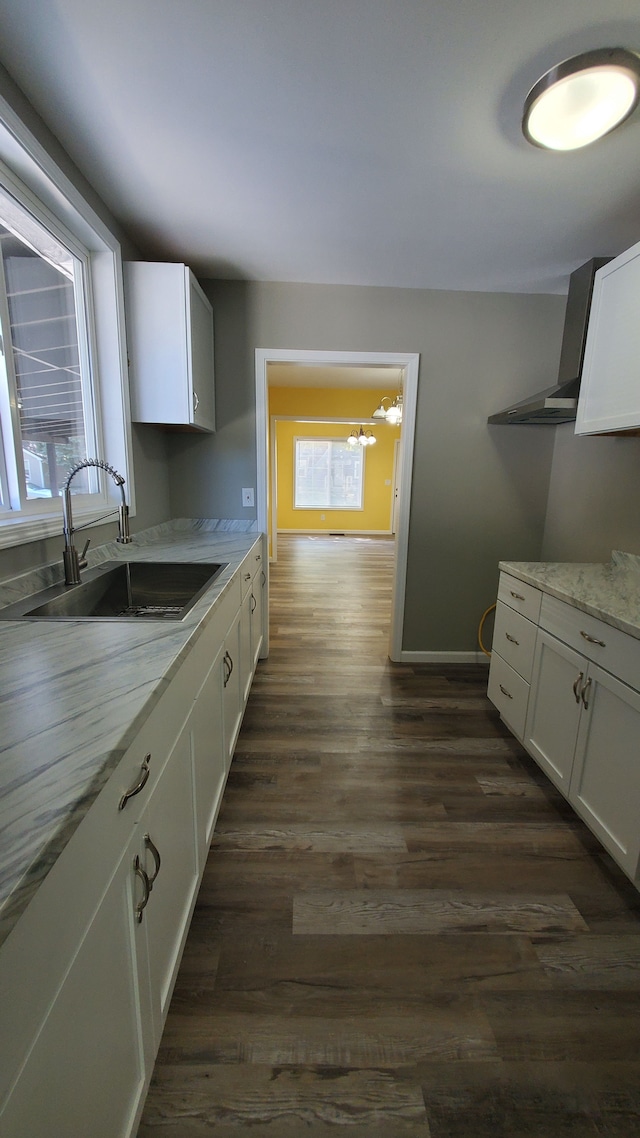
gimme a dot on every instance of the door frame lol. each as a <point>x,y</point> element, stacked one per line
<point>410,364</point>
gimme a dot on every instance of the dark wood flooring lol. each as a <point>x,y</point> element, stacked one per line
<point>402,930</point>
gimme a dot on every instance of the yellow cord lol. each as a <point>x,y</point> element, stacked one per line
<point>481,626</point>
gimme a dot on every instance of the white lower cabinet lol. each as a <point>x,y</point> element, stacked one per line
<point>87,973</point>
<point>232,688</point>
<point>85,1074</point>
<point>583,721</point>
<point>554,708</point>
<point>209,753</point>
<point>166,878</point>
<point>605,780</point>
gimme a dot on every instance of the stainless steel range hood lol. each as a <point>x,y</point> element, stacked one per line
<point>559,404</point>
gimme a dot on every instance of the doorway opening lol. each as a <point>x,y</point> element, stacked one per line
<point>408,366</point>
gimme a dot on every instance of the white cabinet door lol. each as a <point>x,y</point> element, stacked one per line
<point>209,754</point>
<point>609,397</point>
<point>246,654</point>
<point>85,1072</point>
<point>200,318</point>
<point>554,708</point>
<point>233,703</point>
<point>605,784</point>
<point>257,616</point>
<point>167,856</point>
<point>170,340</point>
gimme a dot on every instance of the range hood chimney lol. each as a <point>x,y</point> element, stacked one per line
<point>559,404</point>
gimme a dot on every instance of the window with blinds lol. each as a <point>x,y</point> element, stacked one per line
<point>44,355</point>
<point>329,474</point>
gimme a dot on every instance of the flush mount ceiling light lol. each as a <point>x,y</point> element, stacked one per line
<point>364,438</point>
<point>582,99</point>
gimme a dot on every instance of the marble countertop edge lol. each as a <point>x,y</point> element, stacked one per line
<point>608,591</point>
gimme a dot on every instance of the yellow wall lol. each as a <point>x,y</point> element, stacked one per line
<point>356,405</point>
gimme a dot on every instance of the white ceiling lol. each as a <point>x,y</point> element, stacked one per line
<point>371,142</point>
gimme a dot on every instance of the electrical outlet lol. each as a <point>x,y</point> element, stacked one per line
<point>247,496</point>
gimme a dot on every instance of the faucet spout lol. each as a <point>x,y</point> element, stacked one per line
<point>72,561</point>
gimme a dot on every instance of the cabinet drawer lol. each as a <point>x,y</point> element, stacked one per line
<point>607,646</point>
<point>520,596</point>
<point>509,693</point>
<point>514,639</point>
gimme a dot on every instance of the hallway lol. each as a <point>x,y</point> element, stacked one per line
<point>402,929</point>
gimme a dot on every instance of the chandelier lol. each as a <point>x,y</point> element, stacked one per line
<point>361,437</point>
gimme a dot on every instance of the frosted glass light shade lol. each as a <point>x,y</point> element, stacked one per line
<point>582,99</point>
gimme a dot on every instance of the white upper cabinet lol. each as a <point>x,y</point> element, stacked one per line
<point>610,387</point>
<point>170,338</point>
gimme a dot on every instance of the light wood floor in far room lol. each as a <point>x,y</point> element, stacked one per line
<point>402,928</point>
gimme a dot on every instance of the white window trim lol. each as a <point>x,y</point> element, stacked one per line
<point>31,164</point>
<point>332,439</point>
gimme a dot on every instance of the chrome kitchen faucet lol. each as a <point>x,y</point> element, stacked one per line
<point>72,560</point>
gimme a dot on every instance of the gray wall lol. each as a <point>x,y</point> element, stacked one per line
<point>479,492</point>
<point>594,498</point>
<point>150,464</point>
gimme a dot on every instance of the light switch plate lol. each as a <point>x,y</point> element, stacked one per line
<point>247,496</point>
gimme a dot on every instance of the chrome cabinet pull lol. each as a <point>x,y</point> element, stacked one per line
<point>155,852</point>
<point>583,693</point>
<point>505,692</point>
<point>512,640</point>
<point>229,666</point>
<point>247,576</point>
<point>196,401</point>
<point>517,596</point>
<point>258,557</point>
<point>146,885</point>
<point>254,604</point>
<point>576,686</point>
<point>593,640</point>
<point>264,578</point>
<point>144,775</point>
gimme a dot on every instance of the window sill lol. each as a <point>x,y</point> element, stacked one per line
<point>22,530</point>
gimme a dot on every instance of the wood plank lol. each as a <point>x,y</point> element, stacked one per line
<point>426,911</point>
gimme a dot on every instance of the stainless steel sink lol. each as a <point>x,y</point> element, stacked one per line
<point>117,590</point>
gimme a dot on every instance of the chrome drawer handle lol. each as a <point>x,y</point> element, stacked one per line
<point>505,692</point>
<point>576,685</point>
<point>512,640</point>
<point>247,576</point>
<point>583,693</point>
<point>140,872</point>
<point>196,401</point>
<point>228,662</point>
<point>593,640</point>
<point>517,596</point>
<point>156,857</point>
<point>254,604</point>
<point>144,775</point>
<point>258,557</point>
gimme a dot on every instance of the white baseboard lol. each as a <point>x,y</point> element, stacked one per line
<point>442,658</point>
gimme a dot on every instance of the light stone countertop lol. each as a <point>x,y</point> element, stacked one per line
<point>74,695</point>
<point>610,592</point>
